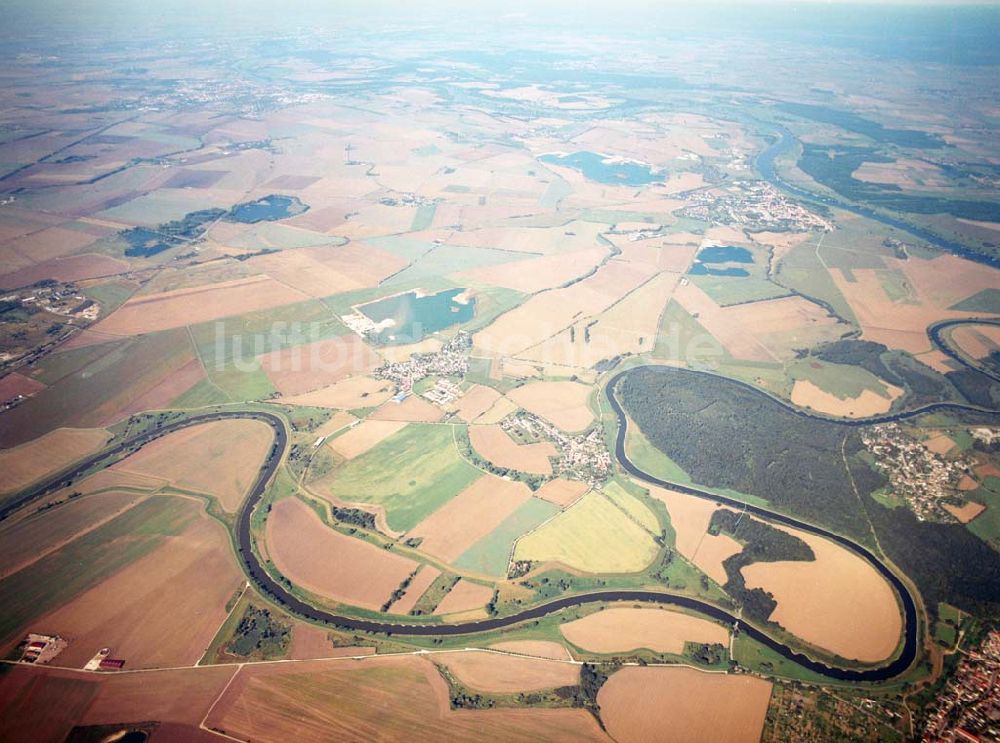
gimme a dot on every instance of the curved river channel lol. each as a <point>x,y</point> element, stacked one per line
<point>270,587</point>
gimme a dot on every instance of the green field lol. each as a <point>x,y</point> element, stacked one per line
<point>986,525</point>
<point>412,473</point>
<point>58,577</point>
<point>988,300</point>
<point>680,334</point>
<point>593,535</point>
<point>730,290</point>
<point>897,287</point>
<point>843,380</point>
<point>801,270</point>
<point>447,259</point>
<point>632,506</point>
<point>490,554</point>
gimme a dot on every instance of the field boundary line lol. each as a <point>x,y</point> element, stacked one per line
<point>246,587</point>
<point>218,699</point>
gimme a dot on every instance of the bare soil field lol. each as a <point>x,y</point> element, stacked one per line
<point>413,409</point>
<point>562,492</point>
<point>534,648</point>
<point>536,274</point>
<point>682,704</point>
<point>805,394</point>
<point>469,516</point>
<point>940,444</point>
<point>162,610</point>
<point>28,540</point>
<point>347,394</point>
<point>339,420</point>
<point>220,458</point>
<point>621,628</point>
<point>485,671</point>
<point>295,371</point>
<point>465,596</point>
<point>476,401</point>
<point>500,410</point>
<point>690,517</point>
<point>38,703</point>
<point>363,437</point>
<point>978,341</point>
<point>329,563</point>
<point>837,602</point>
<point>735,338</point>
<point>493,443</point>
<point>72,268</point>
<point>17,385</point>
<point>906,173</point>
<point>32,461</point>
<point>180,307</point>
<point>427,575</point>
<point>375,699</point>
<point>168,390</point>
<point>966,512</point>
<point>550,312</point>
<point>564,404</point>
<point>310,642</point>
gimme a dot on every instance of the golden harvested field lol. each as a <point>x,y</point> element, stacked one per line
<point>375,699</point>
<point>30,539</point>
<point>682,704</point>
<point>805,394</point>
<point>906,173</point>
<point>169,389</point>
<point>493,443</point>
<point>534,648</point>
<point>690,517</point>
<point>734,337</point>
<point>39,703</point>
<point>536,274</point>
<point>547,313</point>
<point>564,404</point>
<point>338,421</point>
<point>630,326</point>
<point>500,410</point>
<point>476,401</point>
<point>592,535</point>
<point>329,563</point>
<point>505,674</point>
<point>562,492</point>
<point>837,602</point>
<point>300,369</point>
<point>161,610</point>
<point>220,458</point>
<point>173,309</point>
<point>327,270</point>
<point>363,437</point>
<point>978,341</point>
<point>50,453</point>
<point>966,512</point>
<point>414,409</point>
<point>427,575</point>
<point>465,596</point>
<point>620,629</point>
<point>347,394</point>
<point>469,516</point>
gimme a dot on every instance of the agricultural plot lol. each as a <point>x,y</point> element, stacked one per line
<point>328,563</point>
<point>469,516</point>
<point>564,404</point>
<point>506,674</point>
<point>220,458</point>
<point>620,629</point>
<point>682,704</point>
<point>420,583</point>
<point>390,697</point>
<point>491,554</point>
<point>411,474</point>
<point>161,610</point>
<point>534,648</point>
<point>412,409</point>
<point>300,369</point>
<point>837,602</point>
<point>48,454</point>
<point>476,401</point>
<point>593,536</point>
<point>364,436</point>
<point>347,394</point>
<point>562,492</point>
<point>465,597</point>
<point>493,443</point>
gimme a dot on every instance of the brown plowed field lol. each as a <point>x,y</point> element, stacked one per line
<point>684,705</point>
<point>24,464</point>
<point>162,610</point>
<point>295,371</point>
<point>347,394</point>
<point>329,563</point>
<point>493,443</point>
<point>363,437</point>
<point>469,516</point>
<point>562,492</point>
<point>465,596</point>
<point>427,575</point>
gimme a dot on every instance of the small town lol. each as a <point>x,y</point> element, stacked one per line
<point>756,206</point>
<point>584,457</point>
<point>916,474</point>
<point>968,708</point>
<point>452,360</point>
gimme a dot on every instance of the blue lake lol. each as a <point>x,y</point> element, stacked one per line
<point>268,209</point>
<point>594,167</point>
<point>724,254</point>
<point>416,317</point>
